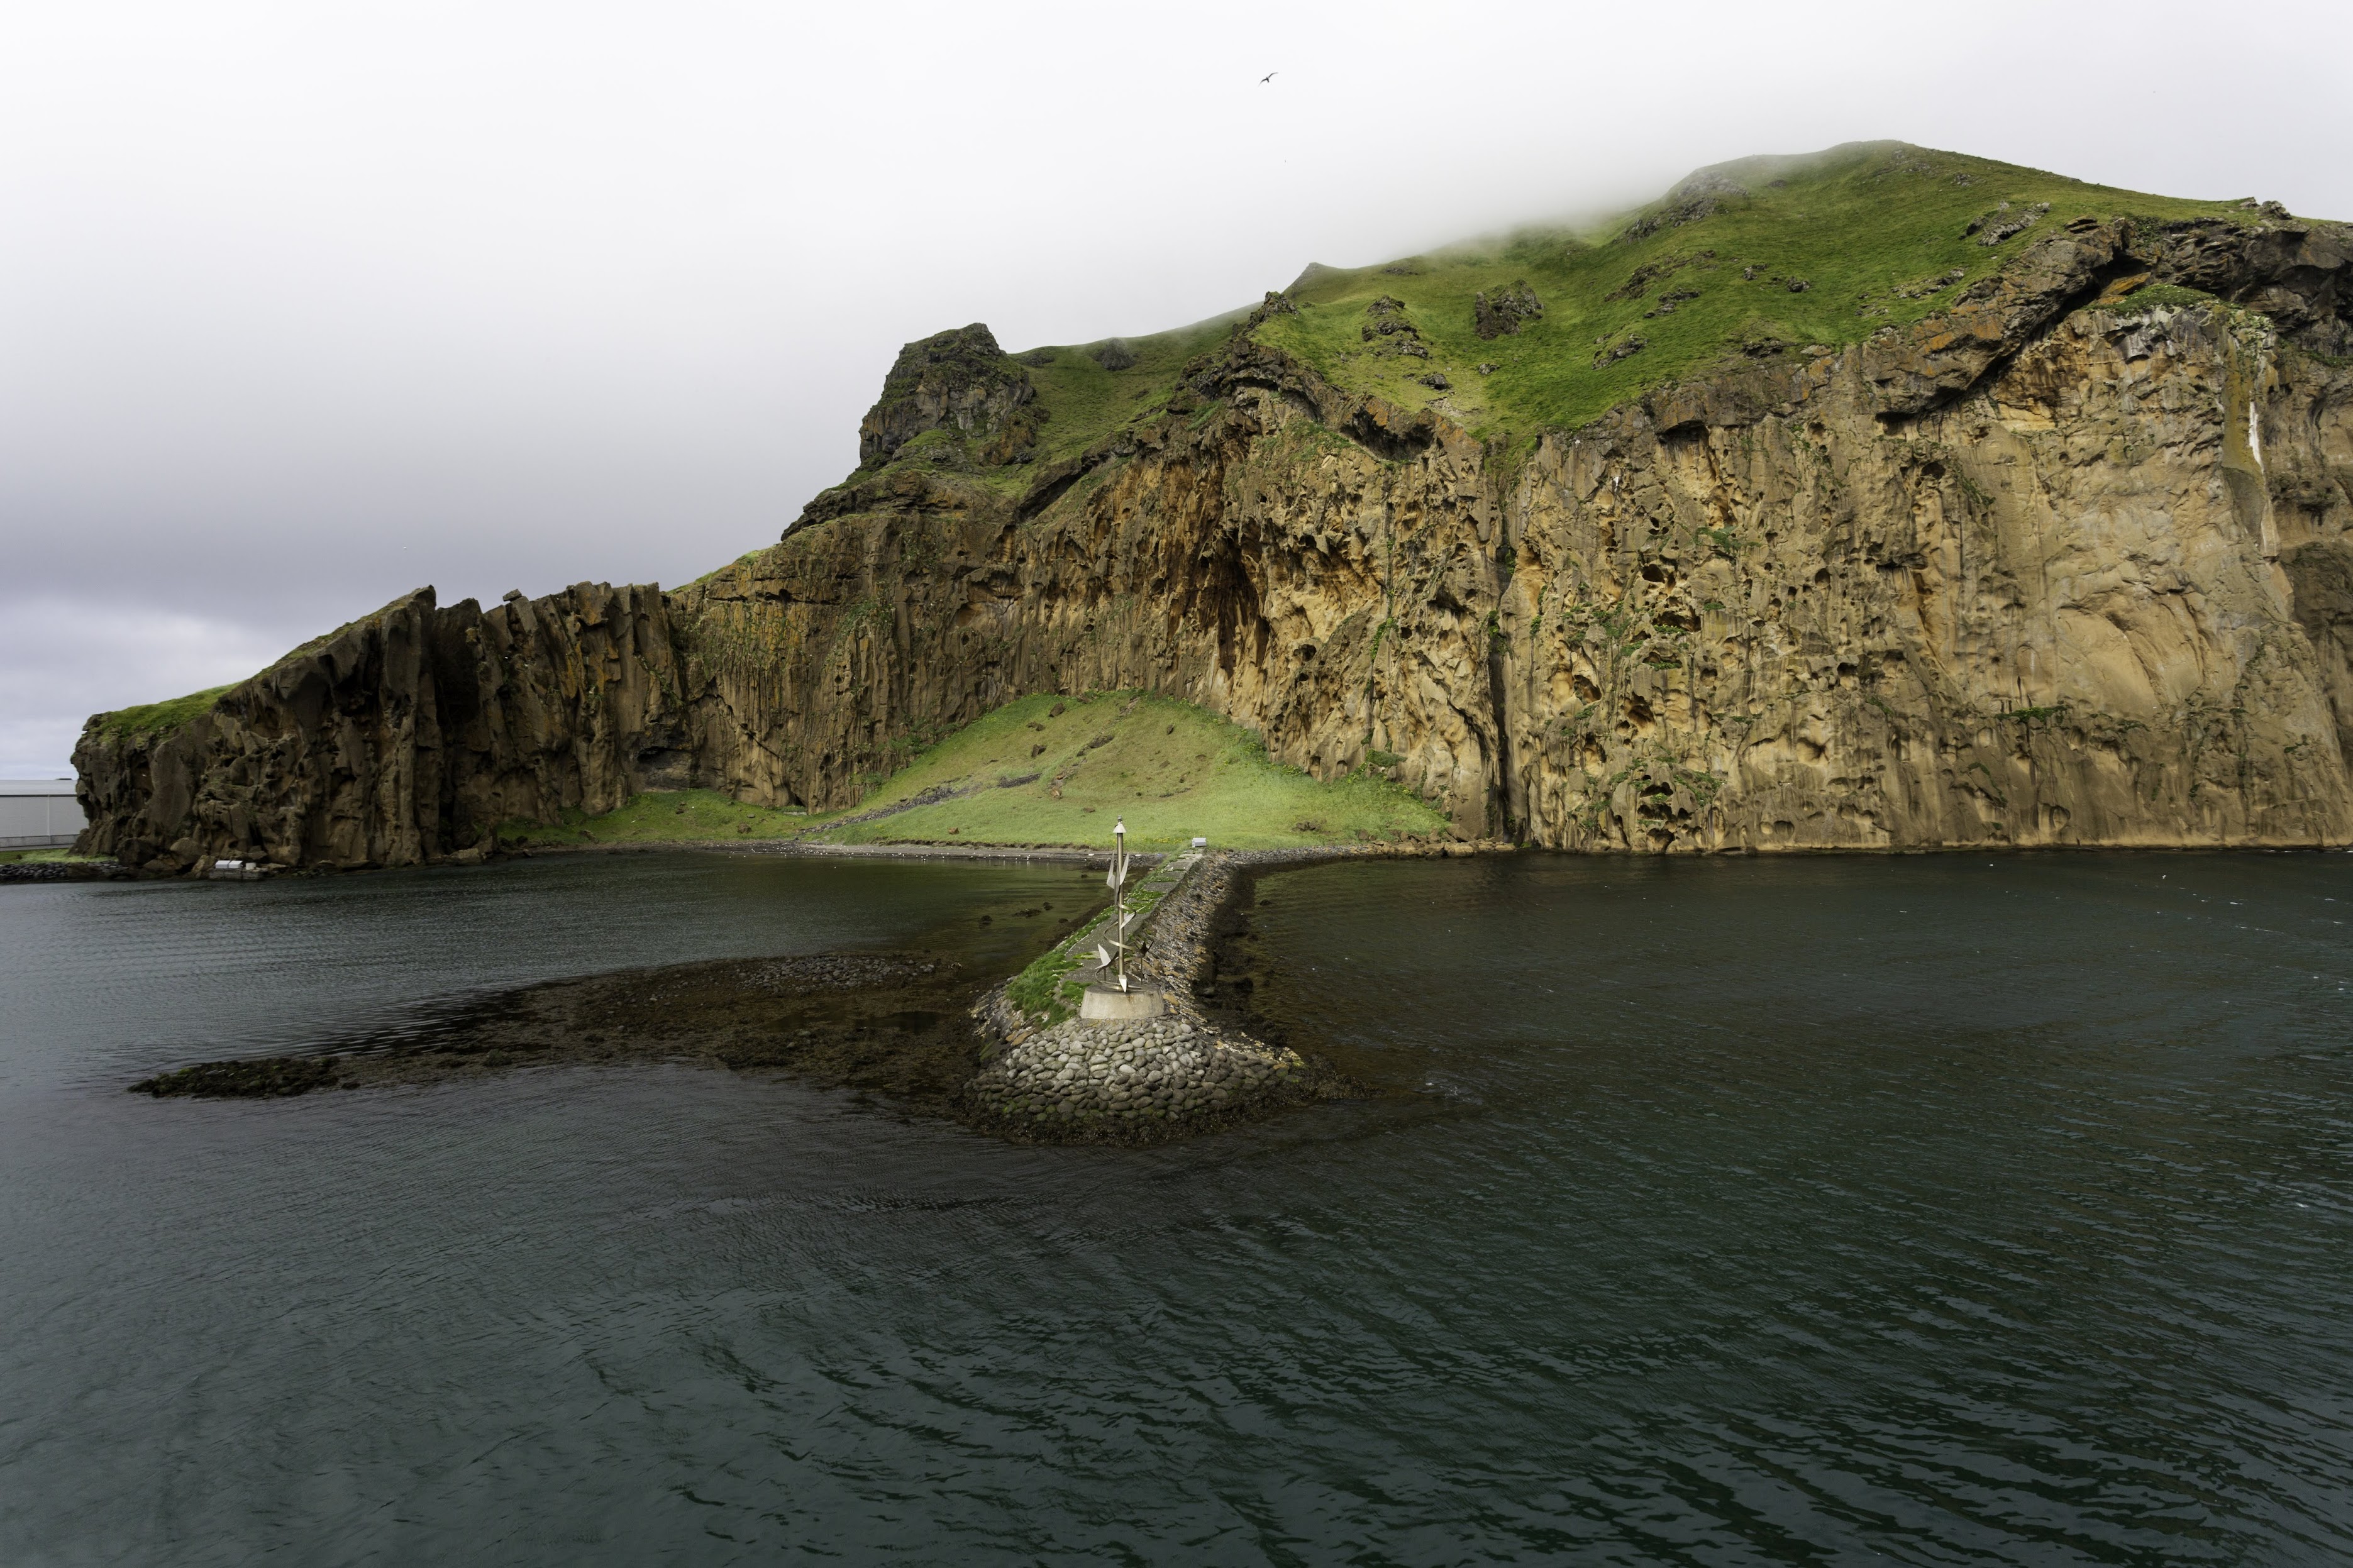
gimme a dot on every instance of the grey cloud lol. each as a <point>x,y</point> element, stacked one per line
<point>64,657</point>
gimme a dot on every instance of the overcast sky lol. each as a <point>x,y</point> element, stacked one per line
<point>302,306</point>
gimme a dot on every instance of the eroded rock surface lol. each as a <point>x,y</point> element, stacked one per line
<point>1504,313</point>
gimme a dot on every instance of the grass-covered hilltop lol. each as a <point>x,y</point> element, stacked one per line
<point>1873,498</point>
<point>1547,329</point>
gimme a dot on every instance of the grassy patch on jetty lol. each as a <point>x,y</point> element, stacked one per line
<point>1045,990</point>
<point>1052,771</point>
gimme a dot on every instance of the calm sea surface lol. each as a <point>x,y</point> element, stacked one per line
<point>1924,1210</point>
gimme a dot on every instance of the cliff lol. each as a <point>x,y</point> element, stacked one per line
<point>403,737</point>
<point>2041,538</point>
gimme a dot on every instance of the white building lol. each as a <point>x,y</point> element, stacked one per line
<point>38,813</point>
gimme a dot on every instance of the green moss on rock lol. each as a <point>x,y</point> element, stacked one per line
<point>157,719</point>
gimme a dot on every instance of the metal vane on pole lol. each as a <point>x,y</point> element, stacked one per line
<point>1117,957</point>
<point>1111,997</point>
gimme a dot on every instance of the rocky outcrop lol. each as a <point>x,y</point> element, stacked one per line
<point>1390,331</point>
<point>1504,312</point>
<point>2050,567</point>
<point>2297,275</point>
<point>958,381</point>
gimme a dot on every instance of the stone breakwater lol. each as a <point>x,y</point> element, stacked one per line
<point>1169,1077</point>
<point>1133,1077</point>
<point>1183,928</point>
<point>1142,1080</point>
<point>1002,1022</point>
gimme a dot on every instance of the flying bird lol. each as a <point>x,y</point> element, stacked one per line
<point>1267,77</point>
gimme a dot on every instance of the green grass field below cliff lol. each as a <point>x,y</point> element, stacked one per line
<point>1170,770</point>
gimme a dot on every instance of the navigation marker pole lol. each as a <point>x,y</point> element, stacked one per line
<point>1104,1001</point>
<point>1117,882</point>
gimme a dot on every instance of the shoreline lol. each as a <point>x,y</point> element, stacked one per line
<point>1050,854</point>
<point>31,873</point>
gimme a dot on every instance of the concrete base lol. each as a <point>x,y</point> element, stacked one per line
<point>1108,1005</point>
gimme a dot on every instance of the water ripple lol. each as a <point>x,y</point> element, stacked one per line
<point>1928,1211</point>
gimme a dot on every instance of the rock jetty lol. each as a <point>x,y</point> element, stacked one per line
<point>1053,1078</point>
<point>1161,1074</point>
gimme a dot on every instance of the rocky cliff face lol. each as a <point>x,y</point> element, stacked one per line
<point>2075,607</point>
<point>959,381</point>
<point>2052,567</point>
<point>404,737</point>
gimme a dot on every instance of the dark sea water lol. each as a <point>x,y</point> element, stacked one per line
<point>1922,1210</point>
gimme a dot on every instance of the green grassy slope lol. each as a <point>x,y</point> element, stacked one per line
<point>1170,770</point>
<point>1874,233</point>
<point>1089,402</point>
<point>159,718</point>
<point>1783,253</point>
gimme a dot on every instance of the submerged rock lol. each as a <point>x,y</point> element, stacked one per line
<point>880,1022</point>
<point>261,1078</point>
